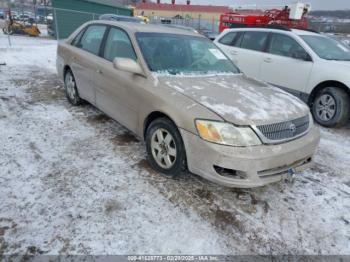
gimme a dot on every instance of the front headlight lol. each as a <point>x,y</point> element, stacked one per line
<point>226,134</point>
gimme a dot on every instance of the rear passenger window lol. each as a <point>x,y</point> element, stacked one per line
<point>254,40</point>
<point>92,38</point>
<point>118,45</point>
<point>228,38</point>
<point>284,45</point>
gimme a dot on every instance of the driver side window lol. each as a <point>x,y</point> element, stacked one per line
<point>118,45</point>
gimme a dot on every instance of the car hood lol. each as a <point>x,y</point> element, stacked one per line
<point>342,63</point>
<point>238,99</point>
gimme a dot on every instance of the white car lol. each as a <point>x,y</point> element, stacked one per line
<point>309,65</point>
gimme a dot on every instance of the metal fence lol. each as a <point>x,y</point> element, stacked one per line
<point>198,24</point>
<point>330,27</point>
<point>66,21</point>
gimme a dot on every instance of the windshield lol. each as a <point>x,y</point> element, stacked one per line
<point>328,48</point>
<point>181,54</point>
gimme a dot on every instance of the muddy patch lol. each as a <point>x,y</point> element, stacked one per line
<point>20,82</point>
<point>204,194</point>
<point>45,96</point>
<point>33,250</point>
<point>5,225</point>
<point>37,153</point>
<point>124,139</point>
<point>98,119</point>
<point>319,168</point>
<point>112,206</point>
<point>41,88</point>
<point>144,165</point>
<point>258,202</point>
<point>225,219</point>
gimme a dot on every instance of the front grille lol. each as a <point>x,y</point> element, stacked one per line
<point>285,130</point>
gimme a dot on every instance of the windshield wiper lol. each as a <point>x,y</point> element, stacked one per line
<point>173,72</point>
<point>335,59</point>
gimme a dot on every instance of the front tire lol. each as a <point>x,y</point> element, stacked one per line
<point>165,148</point>
<point>331,107</point>
<point>71,89</point>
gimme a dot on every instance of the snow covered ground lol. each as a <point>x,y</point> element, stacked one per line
<point>73,181</point>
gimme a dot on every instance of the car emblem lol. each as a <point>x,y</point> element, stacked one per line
<point>292,128</point>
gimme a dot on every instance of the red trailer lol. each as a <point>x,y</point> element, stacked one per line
<point>293,16</point>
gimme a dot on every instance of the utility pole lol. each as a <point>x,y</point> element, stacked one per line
<point>34,4</point>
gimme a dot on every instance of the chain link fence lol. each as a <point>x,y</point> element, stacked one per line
<point>65,21</point>
<point>330,27</point>
<point>197,24</point>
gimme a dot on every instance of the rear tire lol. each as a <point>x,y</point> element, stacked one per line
<point>165,148</point>
<point>71,89</point>
<point>331,107</point>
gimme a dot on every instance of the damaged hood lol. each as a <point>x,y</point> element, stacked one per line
<point>238,99</point>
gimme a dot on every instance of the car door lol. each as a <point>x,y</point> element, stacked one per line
<point>227,44</point>
<point>252,45</point>
<point>83,62</point>
<point>116,91</point>
<point>286,64</point>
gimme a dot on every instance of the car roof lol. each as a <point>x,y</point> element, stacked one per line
<point>113,17</point>
<point>146,28</point>
<point>179,27</point>
<point>304,32</point>
<point>295,31</point>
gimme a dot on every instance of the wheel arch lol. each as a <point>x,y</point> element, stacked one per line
<point>153,116</point>
<point>65,69</point>
<point>325,84</point>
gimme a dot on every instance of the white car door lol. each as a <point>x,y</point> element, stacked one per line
<point>250,53</point>
<point>286,64</point>
<point>227,44</point>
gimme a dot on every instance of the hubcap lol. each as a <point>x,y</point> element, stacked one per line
<point>70,86</point>
<point>325,107</point>
<point>163,148</point>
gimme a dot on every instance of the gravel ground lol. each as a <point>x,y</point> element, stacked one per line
<point>73,181</point>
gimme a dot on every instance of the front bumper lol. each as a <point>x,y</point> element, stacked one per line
<point>253,166</point>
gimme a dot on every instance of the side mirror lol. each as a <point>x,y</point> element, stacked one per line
<point>302,55</point>
<point>127,65</point>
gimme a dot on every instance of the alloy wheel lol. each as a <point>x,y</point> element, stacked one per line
<point>163,148</point>
<point>325,107</point>
<point>70,86</point>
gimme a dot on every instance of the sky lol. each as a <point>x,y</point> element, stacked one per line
<point>316,4</point>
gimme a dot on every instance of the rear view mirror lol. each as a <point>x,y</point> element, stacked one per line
<point>302,55</point>
<point>127,65</point>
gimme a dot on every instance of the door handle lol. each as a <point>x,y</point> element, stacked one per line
<point>268,60</point>
<point>99,71</point>
<point>234,53</point>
